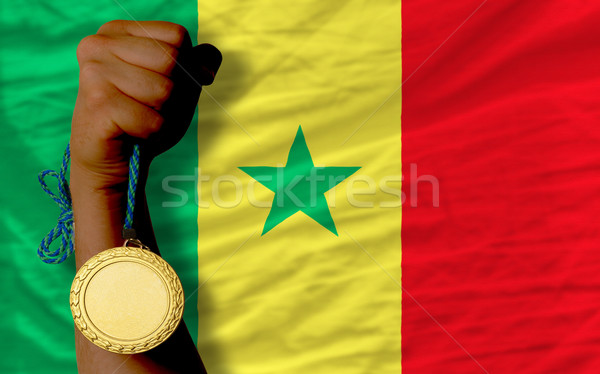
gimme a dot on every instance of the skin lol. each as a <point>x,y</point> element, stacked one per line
<point>130,91</point>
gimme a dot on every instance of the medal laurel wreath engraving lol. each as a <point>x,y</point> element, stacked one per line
<point>127,299</point>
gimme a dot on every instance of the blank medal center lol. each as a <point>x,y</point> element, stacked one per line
<point>126,300</point>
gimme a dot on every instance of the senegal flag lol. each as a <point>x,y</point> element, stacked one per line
<point>280,211</point>
<point>368,186</point>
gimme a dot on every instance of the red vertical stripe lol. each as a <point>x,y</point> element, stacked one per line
<point>506,115</point>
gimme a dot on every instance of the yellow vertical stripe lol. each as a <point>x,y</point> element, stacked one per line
<point>300,299</point>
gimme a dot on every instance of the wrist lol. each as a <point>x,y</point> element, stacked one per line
<point>94,182</point>
<point>99,210</point>
<point>100,198</point>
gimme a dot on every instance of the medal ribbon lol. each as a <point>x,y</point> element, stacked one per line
<point>64,226</point>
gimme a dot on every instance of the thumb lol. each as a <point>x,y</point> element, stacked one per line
<point>195,68</point>
<point>202,63</point>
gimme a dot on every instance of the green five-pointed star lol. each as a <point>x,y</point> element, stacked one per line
<point>299,186</point>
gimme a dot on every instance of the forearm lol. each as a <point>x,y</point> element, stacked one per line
<point>99,215</point>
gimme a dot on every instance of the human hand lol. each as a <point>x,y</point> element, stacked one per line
<point>134,85</point>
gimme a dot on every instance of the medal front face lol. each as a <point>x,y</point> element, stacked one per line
<point>126,300</point>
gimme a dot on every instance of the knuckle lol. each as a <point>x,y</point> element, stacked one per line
<point>90,71</point>
<point>88,46</point>
<point>96,99</point>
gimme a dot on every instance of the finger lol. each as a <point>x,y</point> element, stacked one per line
<point>145,86</point>
<point>154,55</point>
<point>120,113</point>
<point>167,32</point>
<point>201,63</point>
<point>133,118</point>
<point>146,53</point>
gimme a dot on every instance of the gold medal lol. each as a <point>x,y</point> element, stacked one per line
<point>127,299</point>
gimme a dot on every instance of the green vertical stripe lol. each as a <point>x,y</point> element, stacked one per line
<point>38,87</point>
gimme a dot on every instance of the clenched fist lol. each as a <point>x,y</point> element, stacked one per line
<point>139,82</point>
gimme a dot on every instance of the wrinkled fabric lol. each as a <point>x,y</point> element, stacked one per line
<point>500,104</point>
<point>300,299</point>
<point>39,79</point>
